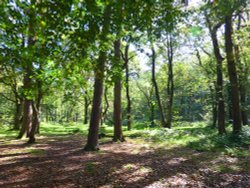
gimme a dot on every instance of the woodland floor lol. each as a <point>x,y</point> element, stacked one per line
<point>61,162</point>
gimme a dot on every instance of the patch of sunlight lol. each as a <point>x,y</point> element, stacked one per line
<point>8,160</point>
<point>224,168</point>
<point>145,170</point>
<point>176,161</point>
<point>224,159</point>
<point>129,166</point>
<point>12,152</point>
<point>138,174</point>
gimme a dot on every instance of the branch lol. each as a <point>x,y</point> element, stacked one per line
<point>9,99</point>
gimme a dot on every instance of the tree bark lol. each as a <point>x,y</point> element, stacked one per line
<point>38,107</point>
<point>86,109</point>
<point>170,86</point>
<point>18,115</point>
<point>219,88</point>
<point>219,80</point>
<point>242,78</point>
<point>104,114</point>
<point>129,119</point>
<point>92,142</point>
<point>163,122</point>
<point>27,106</point>
<point>237,123</point>
<point>118,136</point>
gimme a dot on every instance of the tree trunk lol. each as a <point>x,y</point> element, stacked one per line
<point>27,82</point>
<point>27,106</point>
<point>242,78</point>
<point>18,115</point>
<point>104,114</point>
<point>170,86</point>
<point>38,107</point>
<point>219,86</point>
<point>236,111</point>
<point>129,119</point>
<point>163,122</point>
<point>117,94</point>
<point>219,80</point>
<point>213,105</point>
<point>244,105</point>
<point>220,102</point>
<point>92,142</point>
<point>35,123</point>
<point>86,109</point>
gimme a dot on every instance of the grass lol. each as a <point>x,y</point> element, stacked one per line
<point>197,136</point>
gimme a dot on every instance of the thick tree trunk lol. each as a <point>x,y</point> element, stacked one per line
<point>27,82</point>
<point>92,142</point>
<point>27,107</point>
<point>117,95</point>
<point>163,122</point>
<point>236,111</point>
<point>35,123</point>
<point>129,118</point>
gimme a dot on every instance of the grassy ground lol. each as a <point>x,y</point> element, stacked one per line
<point>197,136</point>
<point>189,155</point>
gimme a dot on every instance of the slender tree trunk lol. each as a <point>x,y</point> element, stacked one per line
<point>92,142</point>
<point>242,78</point>
<point>129,119</point>
<point>163,122</point>
<point>117,95</point>
<point>219,81</point>
<point>152,113</point>
<point>232,75</point>
<point>18,115</point>
<point>38,107</point>
<point>104,114</point>
<point>86,109</point>
<point>170,86</point>
<point>243,103</point>
<point>214,105</point>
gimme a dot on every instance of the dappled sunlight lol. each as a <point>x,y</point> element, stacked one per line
<point>62,162</point>
<point>176,161</point>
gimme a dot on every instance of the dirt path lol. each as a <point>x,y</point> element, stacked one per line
<point>61,162</point>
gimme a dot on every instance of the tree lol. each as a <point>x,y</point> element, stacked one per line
<point>157,94</point>
<point>219,83</point>
<point>233,76</point>
<point>170,85</point>
<point>92,142</point>
<point>117,93</point>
